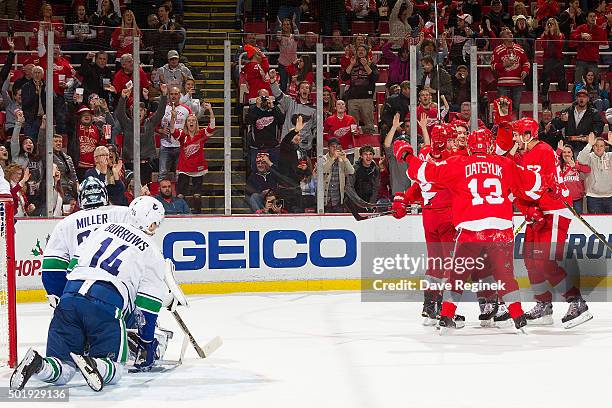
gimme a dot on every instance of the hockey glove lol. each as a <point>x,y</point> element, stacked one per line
<point>402,149</point>
<point>536,217</point>
<point>146,354</point>
<point>53,301</point>
<point>552,186</point>
<point>399,206</point>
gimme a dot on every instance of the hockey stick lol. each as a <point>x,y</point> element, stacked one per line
<point>358,201</point>
<point>208,348</point>
<point>589,226</point>
<point>352,207</point>
<point>520,228</point>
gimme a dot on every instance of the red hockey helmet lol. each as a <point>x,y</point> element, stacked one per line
<point>440,135</point>
<point>479,141</point>
<point>527,128</point>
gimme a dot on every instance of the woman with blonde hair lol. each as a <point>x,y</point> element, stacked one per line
<point>123,37</point>
<point>552,44</point>
<point>18,178</point>
<point>192,164</point>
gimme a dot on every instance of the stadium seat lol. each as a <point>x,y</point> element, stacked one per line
<point>383,75</point>
<point>383,27</point>
<point>257,27</point>
<point>527,103</point>
<point>306,26</point>
<point>362,27</point>
<point>560,100</point>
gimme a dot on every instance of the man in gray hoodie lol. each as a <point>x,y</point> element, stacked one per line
<point>598,184</point>
<point>147,132</point>
<point>292,108</point>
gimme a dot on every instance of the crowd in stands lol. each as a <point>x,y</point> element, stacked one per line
<point>93,105</point>
<point>367,82</point>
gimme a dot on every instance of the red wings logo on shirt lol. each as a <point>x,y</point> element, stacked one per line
<point>342,131</point>
<point>191,149</point>
<point>264,122</point>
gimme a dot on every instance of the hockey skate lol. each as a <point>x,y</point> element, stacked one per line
<point>431,308</point>
<point>519,323</point>
<point>31,364</point>
<point>577,313</point>
<point>488,310</point>
<point>448,325</point>
<point>87,366</point>
<point>541,314</point>
<point>502,318</point>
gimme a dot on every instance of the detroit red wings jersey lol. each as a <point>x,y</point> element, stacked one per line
<point>482,187</point>
<point>192,160</point>
<point>340,129</point>
<point>434,196</point>
<point>542,159</point>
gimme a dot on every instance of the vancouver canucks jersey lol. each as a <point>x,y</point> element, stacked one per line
<point>67,236</point>
<point>126,257</point>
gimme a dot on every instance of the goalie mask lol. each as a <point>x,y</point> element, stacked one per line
<point>479,141</point>
<point>93,193</point>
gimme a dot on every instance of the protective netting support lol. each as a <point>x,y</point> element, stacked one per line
<point>8,321</point>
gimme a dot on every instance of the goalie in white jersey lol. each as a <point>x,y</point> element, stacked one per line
<point>118,268</point>
<point>70,232</point>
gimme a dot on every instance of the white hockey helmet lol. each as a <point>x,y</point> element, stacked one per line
<point>146,211</point>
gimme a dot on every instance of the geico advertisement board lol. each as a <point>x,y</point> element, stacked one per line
<point>252,248</point>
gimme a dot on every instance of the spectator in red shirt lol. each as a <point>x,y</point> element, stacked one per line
<point>122,39</point>
<point>510,65</point>
<point>587,38</point>
<point>573,174</point>
<point>428,108</point>
<point>255,72</point>
<point>341,126</point>
<point>552,44</point>
<point>192,164</point>
<point>124,75</point>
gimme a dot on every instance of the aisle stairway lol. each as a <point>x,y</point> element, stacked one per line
<point>204,51</point>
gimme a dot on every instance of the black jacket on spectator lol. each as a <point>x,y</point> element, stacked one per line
<point>93,77</point>
<point>565,22</point>
<point>165,41</point>
<point>288,162</point>
<point>68,178</point>
<point>552,137</point>
<point>367,181</point>
<point>116,191</point>
<point>361,84</point>
<point>265,124</point>
<point>394,104</point>
<point>29,99</point>
<point>258,182</point>
<point>590,122</point>
<point>6,68</point>
<point>444,87</point>
<point>461,91</point>
<point>497,22</point>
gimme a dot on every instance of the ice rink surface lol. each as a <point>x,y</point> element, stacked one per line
<point>328,349</point>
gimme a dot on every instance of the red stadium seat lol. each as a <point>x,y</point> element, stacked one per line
<point>257,27</point>
<point>560,100</point>
<point>362,27</point>
<point>380,98</point>
<point>383,27</point>
<point>367,139</point>
<point>306,26</point>
<point>383,75</point>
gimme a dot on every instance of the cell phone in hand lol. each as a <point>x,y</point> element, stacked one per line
<point>129,84</point>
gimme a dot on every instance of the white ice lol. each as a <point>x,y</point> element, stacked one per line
<point>320,350</point>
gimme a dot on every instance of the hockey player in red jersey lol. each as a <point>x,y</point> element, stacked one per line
<point>548,223</point>
<point>437,217</point>
<point>481,185</point>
